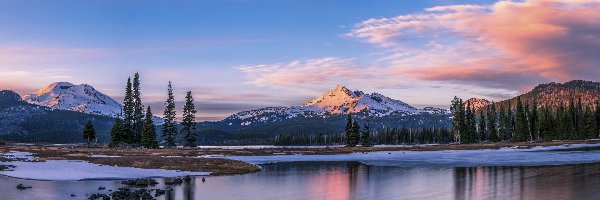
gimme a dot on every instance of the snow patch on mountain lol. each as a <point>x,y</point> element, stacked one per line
<point>81,98</point>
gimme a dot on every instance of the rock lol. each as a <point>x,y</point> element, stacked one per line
<point>141,182</point>
<point>127,193</point>
<point>73,195</point>
<point>99,196</point>
<point>101,188</point>
<point>187,178</point>
<point>159,192</point>
<point>175,181</point>
<point>23,187</point>
<point>6,167</point>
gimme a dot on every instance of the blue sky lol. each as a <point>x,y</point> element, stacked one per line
<point>240,54</point>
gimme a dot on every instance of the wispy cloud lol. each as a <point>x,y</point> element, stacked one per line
<point>308,73</point>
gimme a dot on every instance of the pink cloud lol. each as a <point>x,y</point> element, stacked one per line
<point>525,41</point>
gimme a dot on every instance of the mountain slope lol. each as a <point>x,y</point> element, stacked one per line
<point>25,122</point>
<point>81,98</point>
<point>337,101</point>
<point>553,94</point>
<point>325,114</point>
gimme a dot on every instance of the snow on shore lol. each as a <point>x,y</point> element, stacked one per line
<point>537,156</point>
<point>80,170</point>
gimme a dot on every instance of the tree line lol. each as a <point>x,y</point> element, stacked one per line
<point>353,136</point>
<point>136,127</point>
<point>524,122</point>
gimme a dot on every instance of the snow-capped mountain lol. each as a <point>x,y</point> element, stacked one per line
<point>477,103</point>
<point>81,98</point>
<point>338,100</point>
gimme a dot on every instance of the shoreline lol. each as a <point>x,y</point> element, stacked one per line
<point>215,160</point>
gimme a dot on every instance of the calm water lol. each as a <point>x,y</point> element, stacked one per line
<point>352,180</point>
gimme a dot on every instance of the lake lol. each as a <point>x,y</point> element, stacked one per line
<point>353,180</point>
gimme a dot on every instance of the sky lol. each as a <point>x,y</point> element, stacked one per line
<point>237,55</point>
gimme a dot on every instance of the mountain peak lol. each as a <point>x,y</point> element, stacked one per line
<point>335,97</point>
<point>80,98</point>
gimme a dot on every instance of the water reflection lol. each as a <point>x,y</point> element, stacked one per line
<point>352,180</point>
<point>550,182</point>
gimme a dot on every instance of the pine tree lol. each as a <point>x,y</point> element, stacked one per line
<point>348,130</point>
<point>528,133</point>
<point>354,134</point>
<point>533,122</point>
<point>589,122</point>
<point>470,122</point>
<point>521,126</point>
<point>148,137</point>
<point>117,133</point>
<point>571,125</point>
<point>458,121</point>
<point>138,111</point>
<point>597,135</point>
<point>189,121</point>
<point>89,133</point>
<point>169,128</point>
<point>510,122</point>
<point>502,126</point>
<point>365,138</point>
<point>491,123</point>
<point>579,121</point>
<point>562,127</point>
<point>481,132</point>
<point>128,114</point>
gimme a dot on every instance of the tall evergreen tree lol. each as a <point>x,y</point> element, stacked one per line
<point>365,138</point>
<point>189,121</point>
<point>354,134</point>
<point>128,113</point>
<point>458,121</point>
<point>481,131</point>
<point>562,126</point>
<point>597,119</point>
<point>348,130</point>
<point>502,126</point>
<point>491,123</point>
<point>589,124</point>
<point>470,122</point>
<point>138,111</point>
<point>571,125</point>
<point>148,137</point>
<point>510,122</point>
<point>580,121</point>
<point>117,133</point>
<point>521,125</point>
<point>533,121</point>
<point>169,128</point>
<point>89,133</point>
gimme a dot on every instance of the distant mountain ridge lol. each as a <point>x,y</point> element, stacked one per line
<point>22,121</point>
<point>336,101</point>
<point>81,98</point>
<point>553,94</point>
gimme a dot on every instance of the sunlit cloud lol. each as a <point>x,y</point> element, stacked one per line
<point>510,44</point>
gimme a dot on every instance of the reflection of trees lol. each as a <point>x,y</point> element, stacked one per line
<point>353,173</point>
